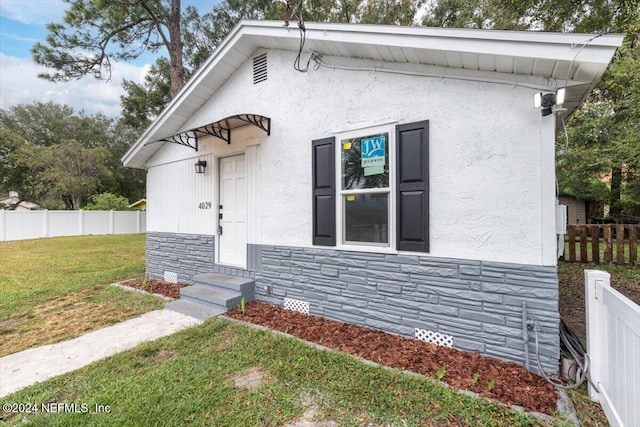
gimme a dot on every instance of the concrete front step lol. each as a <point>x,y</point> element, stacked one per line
<point>210,295</point>
<point>213,294</point>
<point>217,280</point>
<point>196,309</point>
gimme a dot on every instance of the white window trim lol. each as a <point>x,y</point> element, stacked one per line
<point>390,129</point>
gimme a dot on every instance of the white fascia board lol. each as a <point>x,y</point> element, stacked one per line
<point>459,33</point>
<point>551,47</point>
<point>544,45</point>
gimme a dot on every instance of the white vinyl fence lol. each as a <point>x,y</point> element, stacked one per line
<point>21,225</point>
<point>613,344</point>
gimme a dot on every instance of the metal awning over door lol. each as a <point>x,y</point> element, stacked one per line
<point>220,129</point>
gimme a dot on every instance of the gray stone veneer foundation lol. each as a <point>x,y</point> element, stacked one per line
<point>479,303</point>
<point>184,254</point>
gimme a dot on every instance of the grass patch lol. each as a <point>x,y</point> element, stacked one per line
<point>188,378</point>
<point>69,316</point>
<point>590,413</point>
<point>618,272</point>
<point>55,289</point>
<point>624,279</point>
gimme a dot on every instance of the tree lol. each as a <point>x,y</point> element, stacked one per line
<point>538,15</point>
<point>29,133</point>
<point>143,102</point>
<point>67,171</point>
<point>127,182</point>
<point>41,125</point>
<point>603,136</point>
<point>94,32</point>
<point>10,171</point>
<point>45,124</point>
<point>202,34</point>
<point>107,202</point>
<point>603,140</point>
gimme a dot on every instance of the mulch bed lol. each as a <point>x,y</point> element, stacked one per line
<point>155,286</point>
<point>511,384</point>
<point>505,382</point>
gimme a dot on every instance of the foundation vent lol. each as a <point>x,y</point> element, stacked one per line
<point>260,68</point>
<point>295,305</point>
<point>170,277</point>
<point>432,337</point>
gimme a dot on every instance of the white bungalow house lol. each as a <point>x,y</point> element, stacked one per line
<point>14,202</point>
<point>403,180</point>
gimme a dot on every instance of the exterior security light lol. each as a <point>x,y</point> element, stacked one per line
<point>537,100</point>
<point>200,166</point>
<point>560,95</point>
<point>548,100</point>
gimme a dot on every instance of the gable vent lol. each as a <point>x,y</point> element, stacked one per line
<point>260,68</point>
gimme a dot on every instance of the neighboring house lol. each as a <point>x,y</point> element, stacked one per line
<point>404,181</point>
<point>576,209</point>
<point>13,202</point>
<point>140,205</point>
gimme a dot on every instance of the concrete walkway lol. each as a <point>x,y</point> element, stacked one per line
<point>28,367</point>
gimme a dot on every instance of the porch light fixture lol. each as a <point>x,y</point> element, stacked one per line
<point>548,100</point>
<point>200,166</point>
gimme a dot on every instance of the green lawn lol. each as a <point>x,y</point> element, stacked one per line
<point>57,288</point>
<point>618,272</point>
<point>54,289</point>
<point>188,379</point>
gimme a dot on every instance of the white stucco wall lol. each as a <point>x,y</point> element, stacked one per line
<point>491,156</point>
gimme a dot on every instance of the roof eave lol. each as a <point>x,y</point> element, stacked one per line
<point>594,49</point>
<point>128,159</point>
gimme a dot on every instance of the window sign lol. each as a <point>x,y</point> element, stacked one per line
<point>373,152</point>
<point>365,162</point>
<point>373,170</point>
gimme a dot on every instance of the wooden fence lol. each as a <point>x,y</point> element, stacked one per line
<point>598,243</point>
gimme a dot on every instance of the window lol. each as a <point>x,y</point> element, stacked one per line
<point>372,188</point>
<point>366,218</point>
<point>365,189</point>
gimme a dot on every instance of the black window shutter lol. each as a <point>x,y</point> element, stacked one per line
<point>324,192</point>
<point>412,198</point>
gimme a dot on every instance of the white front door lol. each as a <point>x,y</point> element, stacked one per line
<point>232,231</point>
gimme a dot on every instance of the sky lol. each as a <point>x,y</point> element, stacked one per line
<point>22,24</point>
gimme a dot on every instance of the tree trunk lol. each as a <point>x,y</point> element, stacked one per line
<point>75,202</point>
<point>614,198</point>
<point>176,70</point>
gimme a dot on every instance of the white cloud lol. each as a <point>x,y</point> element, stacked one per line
<point>20,85</point>
<point>19,38</point>
<point>33,11</point>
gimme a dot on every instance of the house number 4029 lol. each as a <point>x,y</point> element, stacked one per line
<point>204,205</point>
